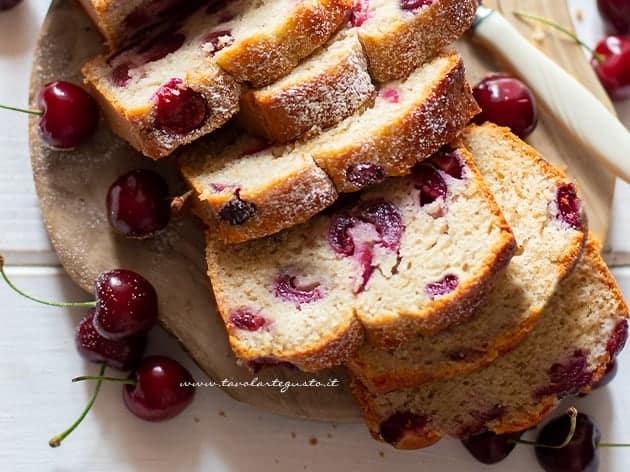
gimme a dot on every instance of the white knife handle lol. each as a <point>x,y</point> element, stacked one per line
<point>589,121</point>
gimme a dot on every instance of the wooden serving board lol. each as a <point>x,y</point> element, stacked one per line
<point>72,186</point>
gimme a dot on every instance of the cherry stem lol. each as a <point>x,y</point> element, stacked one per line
<point>613,445</point>
<point>178,202</point>
<point>37,300</point>
<point>22,110</point>
<point>101,378</point>
<point>56,441</point>
<point>573,416</point>
<point>598,57</point>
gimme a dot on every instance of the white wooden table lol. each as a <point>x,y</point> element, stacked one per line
<point>37,358</point>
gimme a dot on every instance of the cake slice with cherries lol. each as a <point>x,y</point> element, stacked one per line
<point>374,262</point>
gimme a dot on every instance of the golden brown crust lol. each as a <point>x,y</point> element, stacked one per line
<point>461,305</point>
<point>318,101</point>
<point>264,58</point>
<point>413,137</point>
<point>394,54</point>
<point>136,127</point>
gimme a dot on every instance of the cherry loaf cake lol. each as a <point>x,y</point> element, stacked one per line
<point>277,187</point>
<point>169,90</point>
<point>415,253</point>
<point>322,91</point>
<point>410,120</point>
<point>582,330</point>
<point>436,106</point>
<point>548,222</point>
<point>122,20</point>
<point>399,35</point>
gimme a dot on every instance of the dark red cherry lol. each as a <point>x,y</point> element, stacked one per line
<point>69,115</point>
<point>430,183</point>
<point>8,4</point>
<point>614,69</point>
<point>412,5</point>
<point>288,288</point>
<point>569,206</point>
<point>138,204</point>
<point>360,12</point>
<point>123,354</point>
<point>386,219</point>
<point>237,211</point>
<point>261,363</point>
<point>448,160</point>
<point>126,304</point>
<point>247,319</point>
<point>339,236</point>
<point>364,174</point>
<point>567,377</point>
<point>491,448</point>
<point>179,110</point>
<point>442,287</point>
<point>616,13</point>
<point>506,101</point>
<point>580,455</point>
<point>618,338</point>
<point>163,389</point>
<point>396,427</point>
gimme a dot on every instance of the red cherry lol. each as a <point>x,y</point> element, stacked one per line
<point>178,109</point>
<point>616,13</point>
<point>612,64</point>
<point>490,448</point>
<point>506,101</point>
<point>8,4</point>
<point>126,304</point>
<point>138,204</point>
<point>159,392</point>
<point>69,115</point>
<point>124,354</point>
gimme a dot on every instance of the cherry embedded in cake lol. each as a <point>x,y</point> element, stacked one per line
<point>247,319</point>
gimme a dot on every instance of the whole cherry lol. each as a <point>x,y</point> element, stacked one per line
<point>506,101</point>
<point>8,4</point>
<point>126,303</point>
<point>123,354</point>
<point>611,61</point>
<point>579,455</point>
<point>616,13</point>
<point>491,448</point>
<point>68,114</point>
<point>161,388</point>
<point>138,204</point>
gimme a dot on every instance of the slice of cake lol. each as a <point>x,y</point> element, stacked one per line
<point>169,90</point>
<point>399,35</point>
<point>122,21</point>
<point>582,329</point>
<point>375,260</point>
<point>322,91</point>
<point>410,120</point>
<point>548,222</point>
<point>248,189</point>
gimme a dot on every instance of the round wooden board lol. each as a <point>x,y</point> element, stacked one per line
<point>72,188</point>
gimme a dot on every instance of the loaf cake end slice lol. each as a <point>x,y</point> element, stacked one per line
<point>548,221</point>
<point>581,331</point>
